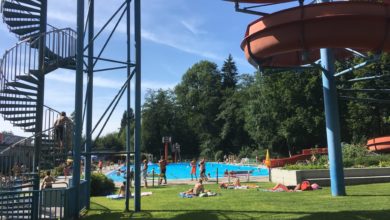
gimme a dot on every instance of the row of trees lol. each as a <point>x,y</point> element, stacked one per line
<point>213,111</point>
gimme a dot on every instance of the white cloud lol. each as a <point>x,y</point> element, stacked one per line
<point>6,126</point>
<point>68,77</point>
<point>181,43</point>
<point>192,26</point>
<point>181,27</point>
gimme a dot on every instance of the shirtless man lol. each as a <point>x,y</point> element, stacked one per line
<point>162,163</point>
<point>48,181</point>
<point>202,168</point>
<point>60,126</point>
<point>198,188</point>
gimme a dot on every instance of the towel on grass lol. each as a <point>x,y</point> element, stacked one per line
<point>132,195</point>
<point>206,194</point>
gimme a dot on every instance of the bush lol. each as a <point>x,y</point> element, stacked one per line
<point>384,163</point>
<point>356,156</point>
<point>245,152</point>
<point>367,161</point>
<point>347,162</point>
<point>101,185</point>
<point>352,151</point>
<point>304,167</point>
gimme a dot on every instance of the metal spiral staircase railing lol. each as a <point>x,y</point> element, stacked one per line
<point>20,70</point>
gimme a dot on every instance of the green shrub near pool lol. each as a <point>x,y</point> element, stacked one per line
<point>101,185</point>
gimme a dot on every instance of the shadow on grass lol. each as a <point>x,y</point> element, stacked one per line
<point>99,207</point>
<point>368,195</point>
<point>239,215</point>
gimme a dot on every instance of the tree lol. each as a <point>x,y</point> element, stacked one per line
<point>124,119</point>
<point>229,73</point>
<point>364,118</point>
<point>123,127</point>
<point>285,111</point>
<point>231,112</point>
<point>158,118</point>
<point>199,97</point>
<point>109,141</point>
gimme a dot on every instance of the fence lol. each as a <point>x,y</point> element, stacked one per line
<point>53,203</point>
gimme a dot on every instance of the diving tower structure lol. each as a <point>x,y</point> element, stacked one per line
<point>41,49</point>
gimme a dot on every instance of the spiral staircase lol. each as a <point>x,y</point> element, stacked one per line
<point>41,49</point>
<point>20,70</point>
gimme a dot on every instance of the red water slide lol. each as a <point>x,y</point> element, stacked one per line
<point>379,144</point>
<point>306,154</point>
<point>294,36</point>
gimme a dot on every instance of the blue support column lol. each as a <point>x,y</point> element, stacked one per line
<point>128,126</point>
<point>88,143</point>
<point>39,109</point>
<point>137,132</point>
<point>332,123</point>
<point>78,106</point>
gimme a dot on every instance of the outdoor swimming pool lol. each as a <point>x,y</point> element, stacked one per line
<point>182,170</point>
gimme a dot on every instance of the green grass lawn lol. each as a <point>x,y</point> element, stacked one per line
<point>363,202</point>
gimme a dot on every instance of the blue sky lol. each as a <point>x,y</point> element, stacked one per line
<point>175,35</point>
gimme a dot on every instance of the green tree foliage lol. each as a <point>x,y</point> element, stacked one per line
<point>110,141</point>
<point>161,116</point>
<point>229,73</point>
<point>231,112</point>
<point>123,127</point>
<point>124,120</point>
<point>199,96</point>
<point>366,116</point>
<point>285,111</point>
<point>214,112</point>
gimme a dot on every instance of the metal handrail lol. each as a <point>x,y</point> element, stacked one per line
<point>25,139</point>
<point>12,65</point>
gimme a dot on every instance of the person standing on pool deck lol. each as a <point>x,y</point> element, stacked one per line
<point>202,167</point>
<point>162,163</point>
<point>145,172</point>
<point>193,170</point>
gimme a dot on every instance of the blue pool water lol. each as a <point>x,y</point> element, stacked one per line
<point>183,170</point>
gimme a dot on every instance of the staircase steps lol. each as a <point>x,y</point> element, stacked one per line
<point>28,78</point>
<point>20,23</point>
<point>16,6</point>
<point>29,2</point>
<point>26,118</point>
<point>26,32</point>
<point>15,197</point>
<point>22,85</point>
<point>17,92</point>
<point>24,124</point>
<point>17,106</point>
<point>8,112</point>
<point>6,98</point>
<point>23,204</point>
<point>17,213</point>
<point>16,15</point>
<point>19,88</point>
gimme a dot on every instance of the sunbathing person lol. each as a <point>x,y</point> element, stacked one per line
<point>198,188</point>
<point>280,188</point>
<point>303,186</point>
<point>236,183</point>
